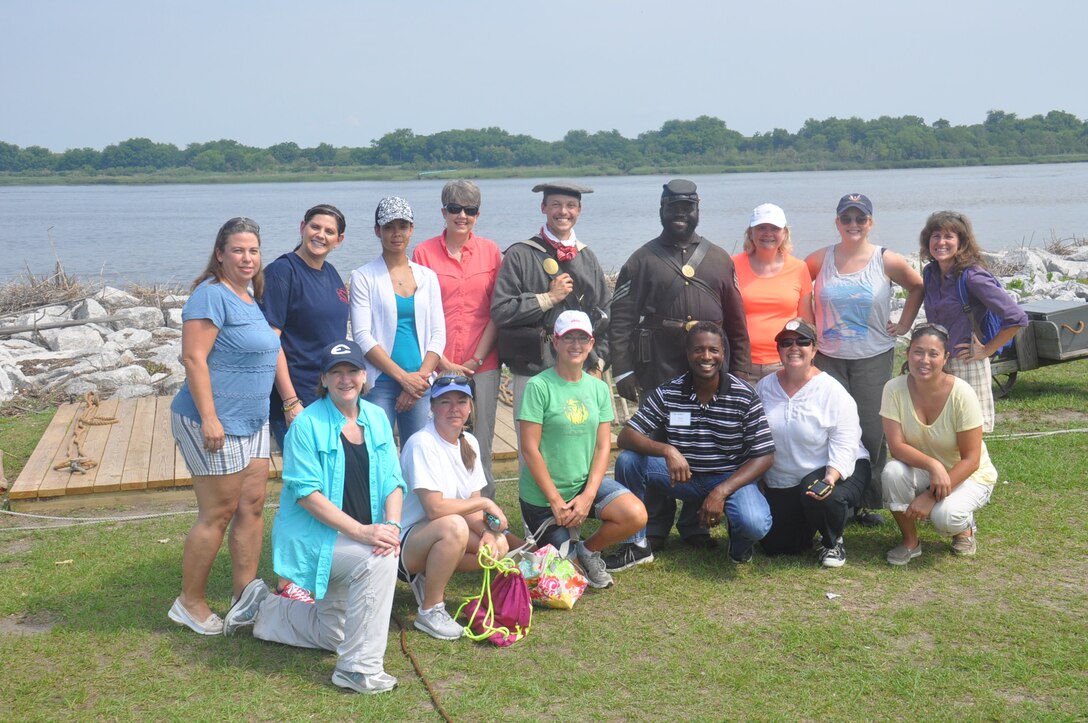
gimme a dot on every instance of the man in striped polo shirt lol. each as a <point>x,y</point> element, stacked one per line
<point>716,447</point>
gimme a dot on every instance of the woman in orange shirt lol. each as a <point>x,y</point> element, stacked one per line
<point>775,286</point>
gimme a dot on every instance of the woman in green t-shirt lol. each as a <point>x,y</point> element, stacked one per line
<point>566,438</point>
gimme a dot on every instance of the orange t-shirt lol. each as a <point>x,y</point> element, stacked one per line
<point>770,302</point>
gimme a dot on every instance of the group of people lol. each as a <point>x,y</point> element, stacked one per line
<point>764,385</point>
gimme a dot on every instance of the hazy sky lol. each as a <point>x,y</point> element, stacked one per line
<point>76,74</point>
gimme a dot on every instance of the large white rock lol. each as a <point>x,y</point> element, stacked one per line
<point>45,315</point>
<point>139,317</point>
<point>129,391</point>
<point>71,338</point>
<point>164,334</point>
<point>114,378</point>
<point>175,299</point>
<point>89,309</point>
<point>173,318</point>
<point>129,338</point>
<point>115,298</point>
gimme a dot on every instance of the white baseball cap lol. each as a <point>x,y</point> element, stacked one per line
<point>572,320</point>
<point>768,213</point>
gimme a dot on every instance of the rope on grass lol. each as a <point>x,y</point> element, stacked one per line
<point>76,521</point>
<point>419,671</point>
<point>78,462</point>
<point>1032,435</point>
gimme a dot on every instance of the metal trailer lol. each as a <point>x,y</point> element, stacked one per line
<point>1055,333</point>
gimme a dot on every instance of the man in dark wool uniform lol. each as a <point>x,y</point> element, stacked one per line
<point>541,278</point>
<point>665,288</point>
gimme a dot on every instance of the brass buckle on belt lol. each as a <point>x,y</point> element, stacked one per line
<point>690,324</point>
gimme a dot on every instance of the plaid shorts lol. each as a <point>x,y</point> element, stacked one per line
<point>233,457</point>
<point>977,374</point>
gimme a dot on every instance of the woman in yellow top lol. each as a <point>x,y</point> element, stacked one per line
<point>941,471</point>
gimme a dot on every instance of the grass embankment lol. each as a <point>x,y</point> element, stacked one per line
<point>399,173</point>
<point>690,637</point>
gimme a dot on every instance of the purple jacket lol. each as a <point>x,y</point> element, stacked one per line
<point>942,302</point>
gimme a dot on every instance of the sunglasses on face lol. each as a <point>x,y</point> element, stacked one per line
<point>787,343</point>
<point>455,208</point>
<point>846,219</point>
<point>446,381</point>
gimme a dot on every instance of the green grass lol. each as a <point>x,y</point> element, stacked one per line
<point>691,637</point>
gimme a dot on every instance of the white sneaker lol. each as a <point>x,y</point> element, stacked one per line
<point>596,572</point>
<point>364,682</point>
<point>437,623</point>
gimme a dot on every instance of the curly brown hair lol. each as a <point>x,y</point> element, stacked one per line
<point>969,252</point>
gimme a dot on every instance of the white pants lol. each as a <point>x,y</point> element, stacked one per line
<point>352,619</point>
<point>952,515</point>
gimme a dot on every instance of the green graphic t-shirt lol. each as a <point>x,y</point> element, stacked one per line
<point>569,414</point>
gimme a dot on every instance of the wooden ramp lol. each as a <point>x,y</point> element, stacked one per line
<point>138,454</point>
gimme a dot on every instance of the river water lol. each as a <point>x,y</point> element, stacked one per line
<point>163,234</point>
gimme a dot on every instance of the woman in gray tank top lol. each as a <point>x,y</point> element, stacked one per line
<point>852,302</point>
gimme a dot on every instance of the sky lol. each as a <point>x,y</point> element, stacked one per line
<point>89,74</point>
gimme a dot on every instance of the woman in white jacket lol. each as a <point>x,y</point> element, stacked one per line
<point>397,319</point>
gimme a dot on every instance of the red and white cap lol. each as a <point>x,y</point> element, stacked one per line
<point>572,320</point>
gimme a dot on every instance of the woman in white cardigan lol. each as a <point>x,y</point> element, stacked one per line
<point>397,319</point>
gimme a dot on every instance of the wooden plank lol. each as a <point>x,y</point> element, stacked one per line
<point>94,444</point>
<point>41,459</point>
<point>54,481</point>
<point>160,469</point>
<point>138,457</point>
<point>112,463</point>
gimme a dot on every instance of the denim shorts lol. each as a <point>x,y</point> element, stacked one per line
<point>534,516</point>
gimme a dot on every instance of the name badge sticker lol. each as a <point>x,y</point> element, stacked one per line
<point>680,419</point>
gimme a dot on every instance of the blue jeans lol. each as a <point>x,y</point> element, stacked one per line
<point>534,515</point>
<point>746,510</point>
<point>384,394</point>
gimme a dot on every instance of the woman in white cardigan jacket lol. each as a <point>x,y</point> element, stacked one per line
<point>397,319</point>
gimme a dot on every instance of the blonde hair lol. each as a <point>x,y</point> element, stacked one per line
<point>785,248</point>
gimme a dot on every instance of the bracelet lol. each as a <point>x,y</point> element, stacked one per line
<point>292,405</point>
<point>394,523</point>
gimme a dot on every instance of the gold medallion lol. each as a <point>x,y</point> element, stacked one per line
<point>551,267</point>
<point>687,271</point>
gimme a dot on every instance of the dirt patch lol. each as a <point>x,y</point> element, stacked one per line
<point>17,546</point>
<point>27,624</point>
<point>1050,419</point>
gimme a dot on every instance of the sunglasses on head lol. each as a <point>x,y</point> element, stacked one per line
<point>796,341</point>
<point>923,328</point>
<point>446,381</point>
<point>456,208</point>
<point>846,219</point>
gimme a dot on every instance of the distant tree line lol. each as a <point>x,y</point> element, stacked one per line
<point>705,141</point>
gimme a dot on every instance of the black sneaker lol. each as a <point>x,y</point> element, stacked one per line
<point>627,556</point>
<point>868,518</point>
<point>744,557</point>
<point>833,556</point>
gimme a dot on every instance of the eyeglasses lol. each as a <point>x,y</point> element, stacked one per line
<point>455,208</point>
<point>923,328</point>
<point>575,338</point>
<point>787,343</point>
<point>846,219</point>
<point>446,381</point>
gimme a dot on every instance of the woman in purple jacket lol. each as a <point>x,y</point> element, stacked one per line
<point>948,243</point>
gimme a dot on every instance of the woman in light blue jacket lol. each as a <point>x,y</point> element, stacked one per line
<point>337,531</point>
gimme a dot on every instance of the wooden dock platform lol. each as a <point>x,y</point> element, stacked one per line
<point>137,454</point>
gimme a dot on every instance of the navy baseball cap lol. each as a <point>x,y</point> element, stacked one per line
<point>345,351</point>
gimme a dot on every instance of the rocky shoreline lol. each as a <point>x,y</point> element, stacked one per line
<point>114,344</point>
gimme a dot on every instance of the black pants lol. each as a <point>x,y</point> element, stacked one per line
<point>796,517</point>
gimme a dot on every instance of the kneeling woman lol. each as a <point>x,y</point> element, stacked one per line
<point>817,438</point>
<point>445,520</point>
<point>337,530</point>
<point>941,471</point>
<point>566,438</point>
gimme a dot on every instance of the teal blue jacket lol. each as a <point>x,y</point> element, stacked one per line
<point>313,461</point>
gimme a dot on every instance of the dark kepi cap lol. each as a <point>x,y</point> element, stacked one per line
<point>566,188</point>
<point>345,351</point>
<point>798,326</point>
<point>855,200</point>
<point>679,189</point>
